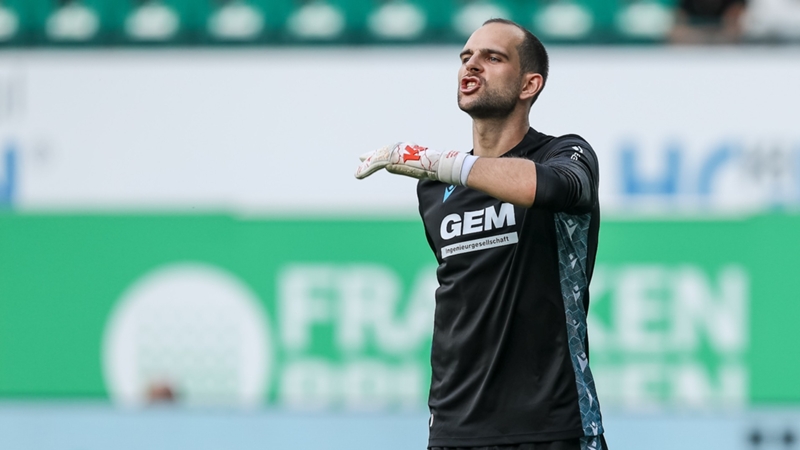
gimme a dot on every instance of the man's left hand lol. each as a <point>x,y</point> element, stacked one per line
<point>412,160</point>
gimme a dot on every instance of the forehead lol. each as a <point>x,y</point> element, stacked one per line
<point>496,36</point>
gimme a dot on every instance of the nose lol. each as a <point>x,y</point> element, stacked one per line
<point>473,66</point>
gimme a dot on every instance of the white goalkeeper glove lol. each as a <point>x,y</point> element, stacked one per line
<point>412,160</point>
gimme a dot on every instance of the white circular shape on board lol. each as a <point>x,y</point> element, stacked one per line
<point>236,21</point>
<point>317,20</point>
<point>647,19</point>
<point>9,23</point>
<point>193,330</point>
<point>397,21</point>
<point>73,22</point>
<point>152,22</point>
<point>565,20</point>
<point>472,16</point>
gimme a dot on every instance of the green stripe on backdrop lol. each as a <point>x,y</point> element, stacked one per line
<point>697,313</point>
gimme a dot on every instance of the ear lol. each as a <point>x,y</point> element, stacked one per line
<point>532,83</point>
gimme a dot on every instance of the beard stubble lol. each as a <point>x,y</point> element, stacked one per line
<point>492,103</point>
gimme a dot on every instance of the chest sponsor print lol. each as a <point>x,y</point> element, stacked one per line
<point>471,222</point>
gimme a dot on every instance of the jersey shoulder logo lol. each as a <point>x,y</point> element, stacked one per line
<point>447,191</point>
<point>578,152</point>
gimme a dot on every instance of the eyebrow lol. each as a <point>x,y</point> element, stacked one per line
<point>490,51</point>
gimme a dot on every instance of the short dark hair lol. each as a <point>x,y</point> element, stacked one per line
<point>532,54</point>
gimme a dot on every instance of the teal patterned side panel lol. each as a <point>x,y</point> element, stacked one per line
<point>573,233</point>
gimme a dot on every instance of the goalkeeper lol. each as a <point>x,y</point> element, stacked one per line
<point>514,227</point>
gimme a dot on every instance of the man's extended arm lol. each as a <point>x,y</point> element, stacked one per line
<point>512,180</point>
<point>566,179</point>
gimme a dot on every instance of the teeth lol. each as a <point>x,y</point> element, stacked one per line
<point>471,84</point>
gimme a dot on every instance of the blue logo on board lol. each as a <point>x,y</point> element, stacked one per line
<point>8,171</point>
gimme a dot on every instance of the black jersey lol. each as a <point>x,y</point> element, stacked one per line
<point>509,356</point>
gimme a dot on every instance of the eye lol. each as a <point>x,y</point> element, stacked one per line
<point>494,59</point>
<point>464,60</point>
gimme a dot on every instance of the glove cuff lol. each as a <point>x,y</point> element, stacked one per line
<point>466,167</point>
<point>452,167</point>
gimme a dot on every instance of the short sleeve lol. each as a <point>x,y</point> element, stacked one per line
<point>567,178</point>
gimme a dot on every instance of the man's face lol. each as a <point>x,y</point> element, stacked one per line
<point>490,79</point>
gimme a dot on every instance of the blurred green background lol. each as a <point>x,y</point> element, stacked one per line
<point>254,22</point>
<point>186,260</point>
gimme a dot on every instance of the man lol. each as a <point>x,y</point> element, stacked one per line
<point>708,21</point>
<point>514,227</point>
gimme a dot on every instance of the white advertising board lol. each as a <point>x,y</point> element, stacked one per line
<point>279,130</point>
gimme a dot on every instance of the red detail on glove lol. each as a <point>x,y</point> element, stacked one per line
<point>412,153</point>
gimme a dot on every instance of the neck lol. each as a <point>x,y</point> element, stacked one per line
<point>494,137</point>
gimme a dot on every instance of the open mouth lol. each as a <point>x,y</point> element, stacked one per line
<point>470,84</point>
